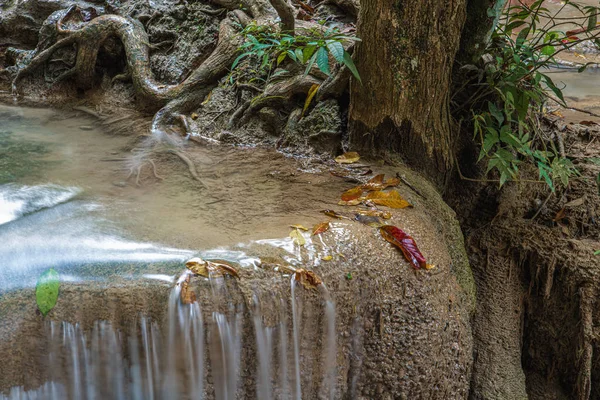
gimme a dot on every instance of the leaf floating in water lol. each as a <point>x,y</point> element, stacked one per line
<point>207,268</point>
<point>299,227</point>
<point>320,228</point>
<point>376,213</point>
<point>308,279</point>
<point>333,214</point>
<point>389,199</point>
<point>352,194</point>
<point>405,243</point>
<point>298,237</point>
<point>187,295</point>
<point>348,158</point>
<point>46,291</point>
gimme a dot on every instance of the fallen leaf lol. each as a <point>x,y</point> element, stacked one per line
<point>377,183</point>
<point>405,243</point>
<point>320,228</point>
<point>376,213</point>
<point>207,99</point>
<point>207,268</point>
<point>327,258</point>
<point>576,203</point>
<point>389,199</point>
<point>298,238</point>
<point>559,215</point>
<point>333,214</point>
<point>429,266</point>
<point>307,278</point>
<point>354,202</point>
<point>46,291</point>
<point>352,194</point>
<point>299,227</point>
<point>348,158</point>
<point>187,295</point>
<point>370,220</point>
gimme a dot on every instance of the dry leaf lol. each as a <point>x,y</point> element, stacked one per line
<point>377,183</point>
<point>198,266</point>
<point>429,266</point>
<point>389,199</point>
<point>576,203</point>
<point>308,279</point>
<point>354,202</point>
<point>333,214</point>
<point>352,194</point>
<point>376,213</point>
<point>348,158</point>
<point>299,227</point>
<point>320,228</point>
<point>207,99</point>
<point>298,238</point>
<point>370,220</point>
<point>405,243</point>
<point>187,295</point>
<point>327,258</point>
<point>559,215</point>
<point>207,268</point>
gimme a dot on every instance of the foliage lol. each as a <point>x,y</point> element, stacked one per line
<point>46,291</point>
<point>272,47</point>
<point>511,87</point>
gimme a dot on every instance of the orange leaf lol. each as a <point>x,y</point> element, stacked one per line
<point>377,183</point>
<point>348,158</point>
<point>389,199</point>
<point>352,194</point>
<point>307,278</point>
<point>320,228</point>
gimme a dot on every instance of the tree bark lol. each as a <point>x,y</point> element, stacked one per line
<point>405,61</point>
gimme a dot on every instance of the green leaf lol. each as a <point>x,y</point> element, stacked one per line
<point>311,62</point>
<point>300,56</point>
<point>350,64</point>
<point>593,20</point>
<point>239,58</point>
<point>553,87</point>
<point>46,291</point>
<point>548,50</point>
<point>323,60</point>
<point>308,52</point>
<point>281,57</point>
<point>496,112</point>
<point>337,51</point>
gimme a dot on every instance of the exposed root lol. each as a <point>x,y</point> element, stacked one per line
<point>190,164</point>
<point>584,380</point>
<point>137,170</point>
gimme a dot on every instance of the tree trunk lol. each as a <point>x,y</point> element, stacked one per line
<point>405,61</point>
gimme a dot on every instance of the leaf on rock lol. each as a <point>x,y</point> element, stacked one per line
<point>187,295</point>
<point>376,213</point>
<point>377,183</point>
<point>352,194</point>
<point>354,202</point>
<point>369,220</point>
<point>207,268</point>
<point>198,266</point>
<point>348,158</point>
<point>405,243</point>
<point>46,291</point>
<point>298,238</point>
<point>388,199</point>
<point>320,228</point>
<point>333,214</point>
<point>299,227</point>
<point>307,278</point>
<point>327,258</point>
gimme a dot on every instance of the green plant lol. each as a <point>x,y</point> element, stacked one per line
<point>511,87</point>
<point>272,47</point>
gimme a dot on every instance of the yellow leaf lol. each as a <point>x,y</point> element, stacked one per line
<point>299,227</point>
<point>348,158</point>
<point>352,194</point>
<point>429,266</point>
<point>320,228</point>
<point>207,99</point>
<point>327,258</point>
<point>198,266</point>
<point>298,238</point>
<point>389,199</point>
<point>311,93</point>
<point>194,116</point>
<point>205,268</point>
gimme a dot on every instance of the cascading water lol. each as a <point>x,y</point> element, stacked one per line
<point>149,363</point>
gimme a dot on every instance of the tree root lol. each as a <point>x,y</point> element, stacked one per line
<point>190,164</point>
<point>584,380</point>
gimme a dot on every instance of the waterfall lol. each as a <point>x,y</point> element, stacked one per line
<point>191,356</point>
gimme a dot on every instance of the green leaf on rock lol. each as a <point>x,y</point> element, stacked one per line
<point>46,291</point>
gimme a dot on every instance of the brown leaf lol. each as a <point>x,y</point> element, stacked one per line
<point>389,199</point>
<point>352,194</point>
<point>333,214</point>
<point>198,266</point>
<point>299,227</point>
<point>377,183</point>
<point>376,213</point>
<point>187,295</point>
<point>349,203</point>
<point>207,268</point>
<point>307,278</point>
<point>348,158</point>
<point>223,268</point>
<point>588,123</point>
<point>576,203</point>
<point>320,228</point>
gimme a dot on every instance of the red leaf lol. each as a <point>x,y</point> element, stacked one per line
<point>404,242</point>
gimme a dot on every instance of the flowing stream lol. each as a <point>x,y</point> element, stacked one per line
<point>65,203</point>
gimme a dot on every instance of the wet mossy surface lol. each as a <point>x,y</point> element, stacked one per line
<point>19,158</point>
